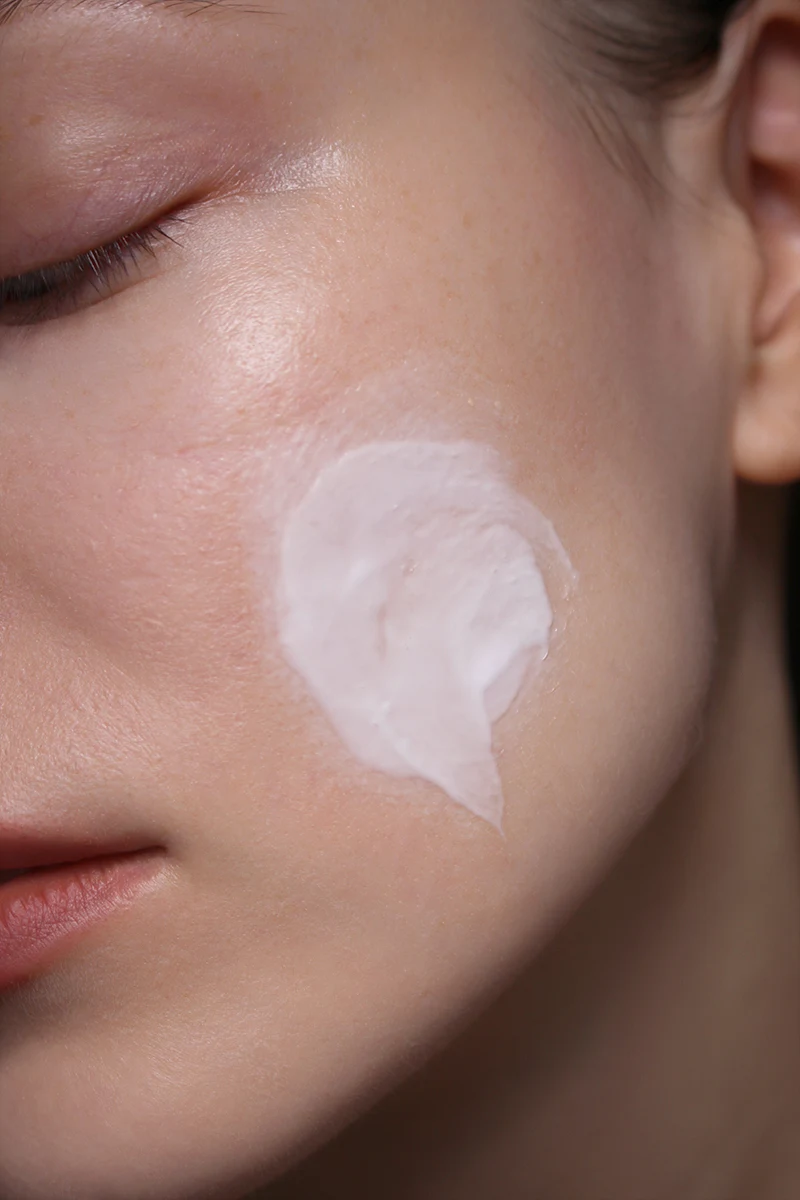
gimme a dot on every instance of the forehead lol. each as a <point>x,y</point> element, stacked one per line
<point>13,10</point>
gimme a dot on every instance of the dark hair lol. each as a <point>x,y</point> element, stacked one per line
<point>652,48</point>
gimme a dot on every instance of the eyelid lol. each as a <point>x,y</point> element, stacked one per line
<point>35,296</point>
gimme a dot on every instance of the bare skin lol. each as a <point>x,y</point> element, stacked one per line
<point>654,1049</point>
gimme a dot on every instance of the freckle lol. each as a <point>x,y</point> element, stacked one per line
<point>36,119</point>
<point>468,220</point>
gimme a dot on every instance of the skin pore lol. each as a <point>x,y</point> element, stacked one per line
<point>365,222</point>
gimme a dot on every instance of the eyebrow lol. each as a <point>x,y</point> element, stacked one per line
<point>11,9</point>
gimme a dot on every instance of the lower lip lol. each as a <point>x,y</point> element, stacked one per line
<point>44,914</point>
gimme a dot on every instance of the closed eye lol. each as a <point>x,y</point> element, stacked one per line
<point>51,292</point>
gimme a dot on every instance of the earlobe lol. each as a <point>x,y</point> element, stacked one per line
<point>767,427</point>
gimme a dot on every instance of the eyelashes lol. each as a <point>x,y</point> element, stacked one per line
<point>51,292</point>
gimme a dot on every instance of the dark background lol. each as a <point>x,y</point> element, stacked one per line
<point>793,613</point>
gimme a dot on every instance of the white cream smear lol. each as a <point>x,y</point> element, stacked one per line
<point>412,603</point>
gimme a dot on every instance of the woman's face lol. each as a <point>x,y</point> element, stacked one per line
<point>391,224</point>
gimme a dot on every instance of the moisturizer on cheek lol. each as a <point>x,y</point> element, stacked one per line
<point>412,603</point>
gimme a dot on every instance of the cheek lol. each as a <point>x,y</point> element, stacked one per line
<point>135,553</point>
<point>413,606</point>
<point>145,547</point>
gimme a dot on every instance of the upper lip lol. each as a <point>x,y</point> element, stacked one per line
<point>24,850</point>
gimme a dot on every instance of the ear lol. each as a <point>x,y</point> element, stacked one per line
<point>767,424</point>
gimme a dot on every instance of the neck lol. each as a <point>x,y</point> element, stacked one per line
<point>654,1050</point>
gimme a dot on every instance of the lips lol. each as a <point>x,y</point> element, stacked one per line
<point>29,850</point>
<point>32,853</point>
<point>55,890</point>
<point>45,914</point>
<point>5,876</point>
